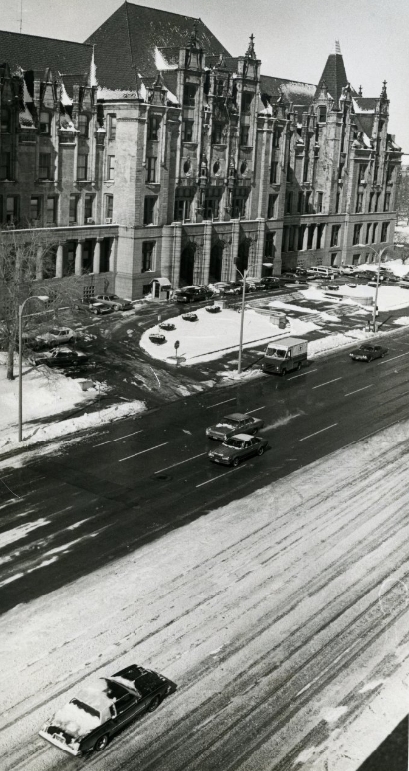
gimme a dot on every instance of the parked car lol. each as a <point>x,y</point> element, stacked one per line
<point>233,424</point>
<point>117,303</point>
<point>55,336</point>
<point>368,352</point>
<point>301,272</point>
<point>104,707</point>
<point>237,448</point>
<point>190,317</point>
<point>271,282</point>
<point>404,282</point>
<point>167,325</point>
<point>94,306</point>
<point>233,288</point>
<point>289,278</point>
<point>63,356</point>
<point>322,271</point>
<point>347,270</point>
<point>213,308</point>
<point>192,294</point>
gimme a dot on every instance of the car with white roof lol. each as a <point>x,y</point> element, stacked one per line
<point>104,707</point>
<point>237,448</point>
<point>117,303</point>
<point>236,423</point>
<point>55,336</point>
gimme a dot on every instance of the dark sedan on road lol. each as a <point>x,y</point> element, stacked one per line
<point>368,352</point>
<point>104,707</point>
<point>96,307</point>
<point>238,448</point>
<point>64,356</point>
<point>233,424</point>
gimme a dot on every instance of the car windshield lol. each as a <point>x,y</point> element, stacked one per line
<point>232,422</point>
<point>234,443</point>
<point>277,352</point>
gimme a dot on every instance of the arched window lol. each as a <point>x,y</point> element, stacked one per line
<point>5,120</point>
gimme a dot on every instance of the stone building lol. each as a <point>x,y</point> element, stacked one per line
<point>157,158</point>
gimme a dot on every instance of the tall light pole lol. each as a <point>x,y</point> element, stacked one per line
<point>243,298</point>
<point>378,273</point>
<point>43,299</point>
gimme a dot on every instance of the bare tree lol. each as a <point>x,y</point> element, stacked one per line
<point>26,259</point>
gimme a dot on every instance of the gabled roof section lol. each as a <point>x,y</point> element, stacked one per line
<point>40,53</point>
<point>126,43</point>
<point>292,91</point>
<point>334,76</point>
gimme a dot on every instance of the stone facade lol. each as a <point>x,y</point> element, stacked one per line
<point>189,164</point>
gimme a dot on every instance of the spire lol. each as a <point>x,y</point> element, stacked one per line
<point>384,94</point>
<point>93,70</point>
<point>360,91</point>
<point>334,76</point>
<point>193,37</point>
<point>337,48</point>
<point>250,51</point>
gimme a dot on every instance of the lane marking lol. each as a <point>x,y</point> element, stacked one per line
<point>256,410</point>
<point>218,477</point>
<point>142,451</point>
<point>126,435</point>
<point>302,374</point>
<point>101,443</point>
<point>218,403</point>
<point>327,383</point>
<point>393,357</point>
<point>318,432</point>
<point>180,462</point>
<point>359,389</point>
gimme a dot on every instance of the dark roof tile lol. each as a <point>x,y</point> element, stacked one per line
<point>40,53</point>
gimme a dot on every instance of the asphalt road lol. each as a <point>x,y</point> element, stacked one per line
<point>129,483</point>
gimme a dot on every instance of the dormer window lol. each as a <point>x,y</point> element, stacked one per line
<point>322,114</point>
<point>83,126</point>
<point>5,120</point>
<point>45,123</point>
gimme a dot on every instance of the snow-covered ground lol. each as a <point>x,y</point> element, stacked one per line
<point>48,393</point>
<point>215,334</point>
<point>275,615</point>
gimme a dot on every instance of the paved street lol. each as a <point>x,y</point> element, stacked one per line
<point>281,616</point>
<point>129,483</point>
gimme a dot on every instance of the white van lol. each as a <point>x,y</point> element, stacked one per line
<point>320,271</point>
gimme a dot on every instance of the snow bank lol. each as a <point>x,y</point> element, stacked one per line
<point>47,393</point>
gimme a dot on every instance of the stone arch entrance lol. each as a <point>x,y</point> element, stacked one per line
<point>243,256</point>
<point>187,265</point>
<point>216,262</point>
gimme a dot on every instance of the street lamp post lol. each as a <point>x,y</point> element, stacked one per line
<point>43,299</point>
<point>243,298</point>
<point>378,273</point>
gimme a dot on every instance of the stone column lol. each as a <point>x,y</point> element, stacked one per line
<point>59,261</point>
<point>235,238</point>
<point>261,237</point>
<point>315,236</point>
<point>96,264</point>
<point>177,248</point>
<point>207,248</point>
<point>78,258</point>
<point>39,264</point>
<point>112,254</point>
<point>305,239</point>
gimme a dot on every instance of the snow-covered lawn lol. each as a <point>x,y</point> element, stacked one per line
<point>210,336</point>
<point>48,393</point>
<point>215,334</point>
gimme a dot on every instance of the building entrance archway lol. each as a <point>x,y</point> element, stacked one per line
<point>216,262</point>
<point>187,265</point>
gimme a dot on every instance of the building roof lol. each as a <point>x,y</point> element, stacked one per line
<point>334,76</point>
<point>41,53</point>
<point>293,92</point>
<point>126,44</point>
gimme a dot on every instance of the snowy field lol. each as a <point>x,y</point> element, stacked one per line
<point>307,666</point>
